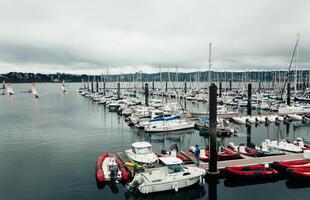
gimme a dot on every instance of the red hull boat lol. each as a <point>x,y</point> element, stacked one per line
<point>252,172</point>
<point>283,166</point>
<point>300,173</point>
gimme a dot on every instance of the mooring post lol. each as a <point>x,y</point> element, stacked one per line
<point>146,93</point>
<point>212,130</point>
<point>230,85</point>
<point>166,86</point>
<point>220,89</point>
<point>118,90</point>
<point>259,85</point>
<point>249,138</point>
<point>153,86</point>
<point>288,99</point>
<point>185,88</point>
<point>249,110</point>
<point>92,86</point>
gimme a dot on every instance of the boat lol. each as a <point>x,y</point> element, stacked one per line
<point>222,154</point>
<point>284,146</point>
<point>260,171</point>
<point>110,168</point>
<point>63,89</point>
<point>141,152</point>
<point>34,91</point>
<point>9,89</point>
<point>242,149</point>
<point>283,166</point>
<point>302,174</point>
<point>171,175</point>
<point>171,125</point>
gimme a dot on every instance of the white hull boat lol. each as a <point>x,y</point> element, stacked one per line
<point>141,152</point>
<point>283,145</point>
<point>173,125</point>
<point>172,176</point>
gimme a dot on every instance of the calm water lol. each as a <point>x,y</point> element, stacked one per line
<point>49,146</point>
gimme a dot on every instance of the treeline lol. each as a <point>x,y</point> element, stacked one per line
<point>267,76</point>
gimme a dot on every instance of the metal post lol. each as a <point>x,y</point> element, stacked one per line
<point>185,87</point>
<point>220,89</point>
<point>166,86</point>
<point>288,100</point>
<point>146,93</point>
<point>249,111</point>
<point>259,85</point>
<point>249,138</point>
<point>118,90</point>
<point>153,86</point>
<point>230,85</point>
<point>212,129</point>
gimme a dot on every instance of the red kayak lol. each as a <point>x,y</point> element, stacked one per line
<point>104,166</point>
<point>252,172</point>
<point>300,173</point>
<point>283,166</point>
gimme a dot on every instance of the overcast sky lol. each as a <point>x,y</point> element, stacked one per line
<point>87,36</point>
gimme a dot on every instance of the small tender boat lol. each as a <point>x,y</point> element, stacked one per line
<point>241,149</point>
<point>300,173</point>
<point>110,168</point>
<point>223,154</point>
<point>9,89</point>
<point>141,152</point>
<point>261,171</point>
<point>172,175</point>
<point>283,166</point>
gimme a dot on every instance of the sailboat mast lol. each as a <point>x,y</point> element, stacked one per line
<point>210,45</point>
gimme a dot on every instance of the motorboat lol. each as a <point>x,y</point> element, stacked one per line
<point>301,174</point>
<point>171,125</point>
<point>141,152</point>
<point>242,149</point>
<point>172,174</point>
<point>283,166</point>
<point>283,145</point>
<point>260,171</point>
<point>110,168</point>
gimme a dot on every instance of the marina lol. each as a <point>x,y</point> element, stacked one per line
<point>166,100</point>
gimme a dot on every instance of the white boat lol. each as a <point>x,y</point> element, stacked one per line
<point>295,117</point>
<point>284,110</point>
<point>34,91</point>
<point>9,89</point>
<point>172,175</point>
<point>141,152</point>
<point>171,125</point>
<point>63,89</point>
<point>283,145</point>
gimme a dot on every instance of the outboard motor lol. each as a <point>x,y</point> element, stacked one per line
<point>286,120</point>
<point>137,180</point>
<point>247,122</point>
<point>303,120</point>
<point>277,121</point>
<point>114,172</point>
<point>266,121</point>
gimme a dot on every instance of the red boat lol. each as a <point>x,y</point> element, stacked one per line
<point>226,155</point>
<point>283,166</point>
<point>252,172</point>
<point>105,165</point>
<point>241,149</point>
<point>302,173</point>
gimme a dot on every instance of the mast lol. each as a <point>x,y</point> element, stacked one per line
<point>210,45</point>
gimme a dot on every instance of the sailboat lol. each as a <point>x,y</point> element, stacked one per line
<point>63,89</point>
<point>9,89</point>
<point>34,91</point>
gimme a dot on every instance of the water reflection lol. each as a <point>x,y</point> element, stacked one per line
<point>190,193</point>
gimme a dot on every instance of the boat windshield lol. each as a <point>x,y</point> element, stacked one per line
<point>175,168</point>
<point>141,151</point>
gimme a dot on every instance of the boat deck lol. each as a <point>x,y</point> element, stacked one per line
<point>246,160</point>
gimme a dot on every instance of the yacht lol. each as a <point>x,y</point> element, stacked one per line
<point>141,152</point>
<point>171,175</point>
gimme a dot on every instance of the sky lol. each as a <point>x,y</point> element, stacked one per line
<point>83,36</point>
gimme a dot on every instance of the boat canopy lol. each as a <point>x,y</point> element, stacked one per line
<point>170,160</point>
<point>141,145</point>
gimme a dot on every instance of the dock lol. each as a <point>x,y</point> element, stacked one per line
<point>246,160</point>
